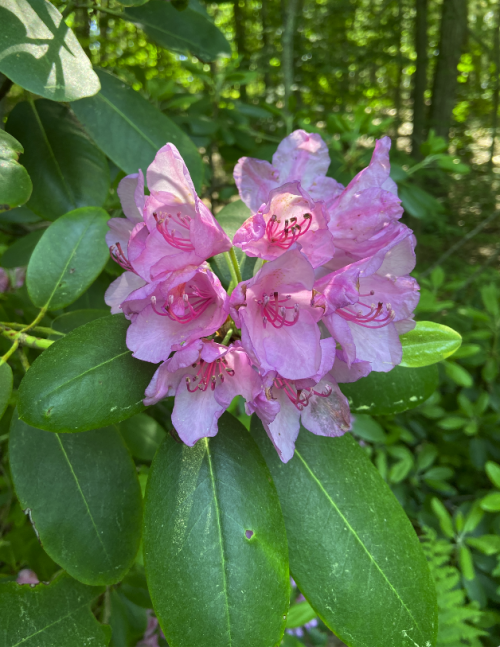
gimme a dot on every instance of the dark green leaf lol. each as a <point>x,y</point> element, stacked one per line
<point>142,435</point>
<point>19,216</point>
<point>128,621</point>
<point>428,343</point>
<point>56,615</point>
<point>130,130</point>
<point>6,381</point>
<point>71,320</point>
<point>232,216</point>
<point>419,203</point>
<point>84,498</point>
<point>41,54</point>
<point>180,31</point>
<point>86,380</point>
<point>69,257</point>
<point>15,183</point>
<point>352,550</point>
<point>299,614</point>
<point>19,253</point>
<point>214,543</point>
<point>368,429</point>
<point>393,392</point>
<point>66,168</point>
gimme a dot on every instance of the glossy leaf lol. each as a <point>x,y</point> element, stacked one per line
<point>232,216</point>
<point>180,31</point>
<point>6,381</point>
<point>393,392</point>
<point>19,253</point>
<point>353,552</point>
<point>84,498</point>
<point>19,216</point>
<point>66,168</point>
<point>41,54</point>
<point>71,320</point>
<point>491,502</point>
<point>86,380</point>
<point>214,543</point>
<point>299,614</point>
<point>128,621</point>
<point>493,472</point>
<point>142,435</point>
<point>53,615</point>
<point>15,183</point>
<point>68,258</point>
<point>428,343</point>
<point>130,130</point>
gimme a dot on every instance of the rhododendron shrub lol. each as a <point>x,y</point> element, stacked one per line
<point>257,373</point>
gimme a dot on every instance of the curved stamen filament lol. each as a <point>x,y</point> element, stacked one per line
<point>299,397</point>
<point>291,231</point>
<point>119,257</point>
<point>375,315</point>
<point>195,303</point>
<point>171,235</point>
<point>208,374</point>
<point>275,312</point>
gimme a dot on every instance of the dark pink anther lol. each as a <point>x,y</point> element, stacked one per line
<point>299,397</point>
<point>193,300</point>
<point>375,315</point>
<point>119,257</point>
<point>207,375</point>
<point>289,233</point>
<point>275,312</point>
<point>170,235</point>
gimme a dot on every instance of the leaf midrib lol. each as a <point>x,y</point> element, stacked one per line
<point>219,530</point>
<point>125,118</point>
<point>358,539</point>
<point>84,499</point>
<point>68,615</point>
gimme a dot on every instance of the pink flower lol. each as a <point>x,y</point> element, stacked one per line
<point>301,157</point>
<point>178,229</point>
<point>289,216</point>
<point>12,279</point>
<point>371,302</point>
<point>368,204</point>
<point>277,320</point>
<point>173,312</point>
<point>317,402</point>
<point>204,377</point>
<point>27,576</point>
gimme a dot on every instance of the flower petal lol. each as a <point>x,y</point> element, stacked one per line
<point>120,289</point>
<point>301,157</point>
<point>330,415</point>
<point>168,173</point>
<point>255,179</point>
<point>131,194</point>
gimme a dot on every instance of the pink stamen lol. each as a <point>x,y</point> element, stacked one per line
<point>170,235</point>
<point>291,231</point>
<point>275,313</point>
<point>207,375</point>
<point>119,257</point>
<point>299,397</point>
<point>194,303</point>
<point>374,316</point>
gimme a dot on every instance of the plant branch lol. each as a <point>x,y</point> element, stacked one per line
<point>41,330</point>
<point>21,338</point>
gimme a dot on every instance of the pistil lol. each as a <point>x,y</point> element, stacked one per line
<point>289,233</point>
<point>171,236</point>
<point>300,398</point>
<point>119,257</point>
<point>194,303</point>
<point>207,375</point>
<point>274,312</point>
<point>375,318</point>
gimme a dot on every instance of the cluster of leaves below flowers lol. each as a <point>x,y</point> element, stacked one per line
<point>327,306</point>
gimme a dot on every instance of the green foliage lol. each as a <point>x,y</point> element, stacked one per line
<point>15,183</point>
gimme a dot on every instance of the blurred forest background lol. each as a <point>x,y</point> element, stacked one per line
<point>426,73</point>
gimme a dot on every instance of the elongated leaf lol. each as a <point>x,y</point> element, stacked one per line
<point>6,381</point>
<point>41,54</point>
<point>68,258</point>
<point>86,380</point>
<point>214,543</point>
<point>19,216</point>
<point>56,615</point>
<point>428,343</point>
<point>300,614</point>
<point>393,392</point>
<point>130,130</point>
<point>15,183</point>
<point>71,320</point>
<point>19,253</point>
<point>142,435</point>
<point>66,168</point>
<point>180,31</point>
<point>352,550</point>
<point>93,476</point>
<point>232,216</point>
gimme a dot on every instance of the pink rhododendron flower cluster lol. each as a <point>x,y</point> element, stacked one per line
<point>326,307</point>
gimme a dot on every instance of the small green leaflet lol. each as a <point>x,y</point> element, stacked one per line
<point>428,343</point>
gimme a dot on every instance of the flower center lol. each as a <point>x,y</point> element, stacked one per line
<point>274,312</point>
<point>184,305</point>
<point>166,223</point>
<point>284,236</point>
<point>374,318</point>
<point>299,397</point>
<point>208,373</point>
<point>119,257</point>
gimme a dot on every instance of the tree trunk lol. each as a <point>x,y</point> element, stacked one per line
<point>399,74</point>
<point>419,78</point>
<point>496,91</point>
<point>266,36</point>
<point>239,33</point>
<point>451,41</point>
<point>290,8</point>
